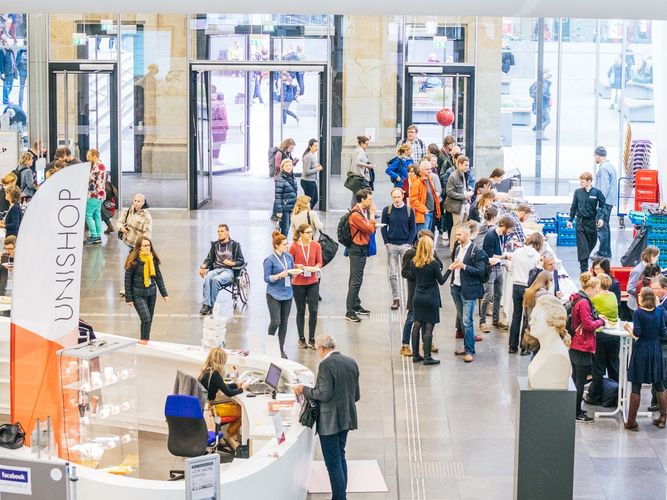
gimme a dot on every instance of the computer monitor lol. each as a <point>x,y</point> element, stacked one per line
<point>273,376</point>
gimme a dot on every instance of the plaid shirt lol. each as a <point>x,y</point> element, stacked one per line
<point>516,233</point>
<point>418,149</point>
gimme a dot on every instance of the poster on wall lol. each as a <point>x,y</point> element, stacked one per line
<point>9,151</point>
<point>46,297</point>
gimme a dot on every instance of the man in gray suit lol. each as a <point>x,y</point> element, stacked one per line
<point>457,195</point>
<point>337,390</point>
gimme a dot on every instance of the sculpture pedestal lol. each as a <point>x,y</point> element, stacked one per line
<point>544,451</point>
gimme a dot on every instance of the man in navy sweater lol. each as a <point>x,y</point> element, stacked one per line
<point>493,289</point>
<point>398,235</point>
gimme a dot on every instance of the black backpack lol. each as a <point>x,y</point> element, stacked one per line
<point>344,232</point>
<point>487,265</point>
<point>569,306</point>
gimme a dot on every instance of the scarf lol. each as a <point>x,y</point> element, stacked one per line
<point>149,267</point>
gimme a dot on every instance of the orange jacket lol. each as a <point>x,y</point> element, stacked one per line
<point>360,227</point>
<point>418,199</point>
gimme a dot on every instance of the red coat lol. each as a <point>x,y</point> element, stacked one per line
<point>582,314</point>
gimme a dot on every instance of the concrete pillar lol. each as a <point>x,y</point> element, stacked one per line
<point>659,159</point>
<point>38,78</point>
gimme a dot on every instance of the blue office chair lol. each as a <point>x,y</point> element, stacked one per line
<point>188,434</point>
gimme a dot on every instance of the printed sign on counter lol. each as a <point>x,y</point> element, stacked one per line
<point>15,480</point>
<point>202,477</point>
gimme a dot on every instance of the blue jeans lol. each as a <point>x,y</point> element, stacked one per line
<point>604,234</point>
<point>428,219</point>
<point>407,327</point>
<point>214,280</point>
<point>7,85</point>
<point>285,222</point>
<point>464,310</point>
<point>333,451</point>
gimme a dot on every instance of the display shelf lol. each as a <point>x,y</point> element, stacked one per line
<point>84,386</point>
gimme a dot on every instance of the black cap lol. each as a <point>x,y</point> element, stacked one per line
<point>600,151</point>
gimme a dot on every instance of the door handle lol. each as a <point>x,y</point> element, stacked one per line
<point>242,128</point>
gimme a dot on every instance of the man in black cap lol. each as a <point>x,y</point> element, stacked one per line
<point>588,206</point>
<point>606,180</point>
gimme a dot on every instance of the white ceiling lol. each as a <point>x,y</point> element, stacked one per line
<point>619,9</point>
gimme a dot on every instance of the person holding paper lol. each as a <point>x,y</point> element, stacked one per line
<point>307,255</point>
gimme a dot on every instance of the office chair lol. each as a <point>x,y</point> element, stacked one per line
<point>188,435</point>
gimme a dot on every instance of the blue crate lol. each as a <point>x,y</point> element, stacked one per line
<point>549,225</point>
<point>656,220</point>
<point>566,242</point>
<point>637,217</point>
<point>566,231</point>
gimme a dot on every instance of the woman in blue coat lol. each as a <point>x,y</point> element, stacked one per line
<point>285,195</point>
<point>397,168</point>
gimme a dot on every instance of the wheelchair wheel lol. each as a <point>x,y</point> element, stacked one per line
<point>244,286</point>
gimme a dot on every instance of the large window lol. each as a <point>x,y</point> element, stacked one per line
<point>14,74</point>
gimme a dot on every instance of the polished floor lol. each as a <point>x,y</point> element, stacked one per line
<point>444,432</point>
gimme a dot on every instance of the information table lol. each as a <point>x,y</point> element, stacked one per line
<point>624,354</point>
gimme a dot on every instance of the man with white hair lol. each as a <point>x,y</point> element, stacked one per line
<point>424,200</point>
<point>337,390</point>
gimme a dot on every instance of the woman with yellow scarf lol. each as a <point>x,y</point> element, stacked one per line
<point>142,279</point>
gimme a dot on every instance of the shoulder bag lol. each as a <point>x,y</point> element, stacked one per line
<point>120,233</point>
<point>12,436</point>
<point>310,411</point>
<point>327,243</point>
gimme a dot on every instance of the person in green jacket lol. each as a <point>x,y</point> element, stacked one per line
<point>607,346</point>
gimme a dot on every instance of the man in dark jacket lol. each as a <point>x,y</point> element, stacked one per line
<point>588,206</point>
<point>398,235</point>
<point>218,267</point>
<point>468,267</point>
<point>337,390</point>
<point>493,289</point>
<point>285,195</point>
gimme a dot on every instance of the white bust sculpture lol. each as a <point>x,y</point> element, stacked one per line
<point>551,368</point>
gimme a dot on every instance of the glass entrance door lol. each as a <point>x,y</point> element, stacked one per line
<point>430,89</point>
<point>243,111</point>
<point>83,111</point>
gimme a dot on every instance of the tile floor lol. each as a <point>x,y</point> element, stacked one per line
<point>437,433</point>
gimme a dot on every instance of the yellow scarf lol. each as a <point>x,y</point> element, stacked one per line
<point>149,267</point>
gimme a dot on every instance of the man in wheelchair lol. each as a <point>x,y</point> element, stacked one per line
<point>218,267</point>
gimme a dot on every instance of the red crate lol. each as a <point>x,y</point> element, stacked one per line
<point>646,178</point>
<point>622,274</point>
<point>646,193</point>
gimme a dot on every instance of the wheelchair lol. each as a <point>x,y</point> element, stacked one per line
<point>239,288</point>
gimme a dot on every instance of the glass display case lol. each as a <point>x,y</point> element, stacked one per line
<point>98,383</point>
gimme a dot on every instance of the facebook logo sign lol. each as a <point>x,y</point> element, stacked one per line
<point>15,480</point>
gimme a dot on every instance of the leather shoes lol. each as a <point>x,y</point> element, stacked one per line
<point>395,304</point>
<point>513,350</point>
<point>460,352</point>
<point>468,358</point>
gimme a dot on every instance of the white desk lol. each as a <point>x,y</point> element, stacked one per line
<point>624,354</point>
<point>276,471</point>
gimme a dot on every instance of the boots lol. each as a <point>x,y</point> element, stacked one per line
<point>662,404</point>
<point>631,424</point>
<point>416,358</point>
<point>428,342</point>
<point>109,228</point>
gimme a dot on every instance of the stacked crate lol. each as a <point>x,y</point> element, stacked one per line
<point>657,235</point>
<point>646,188</point>
<point>548,225</point>
<point>566,237</point>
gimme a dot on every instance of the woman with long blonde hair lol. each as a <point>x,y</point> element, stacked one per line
<point>212,377</point>
<point>302,214</point>
<point>426,302</point>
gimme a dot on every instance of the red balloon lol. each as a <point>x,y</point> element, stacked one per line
<point>445,117</point>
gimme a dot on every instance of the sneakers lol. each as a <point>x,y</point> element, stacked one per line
<point>501,326</point>
<point>395,304</point>
<point>93,241</point>
<point>311,344</point>
<point>583,417</point>
<point>301,344</point>
<point>362,311</point>
<point>484,328</point>
<point>352,317</point>
<point>405,350</point>
<point>205,310</point>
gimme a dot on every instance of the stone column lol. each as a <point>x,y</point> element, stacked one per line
<point>488,153</point>
<point>659,34</point>
<point>38,78</point>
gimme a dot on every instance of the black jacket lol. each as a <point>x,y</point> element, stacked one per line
<point>471,277</point>
<point>13,220</point>
<point>235,248</point>
<point>286,193</point>
<point>588,206</point>
<point>134,282</point>
<point>407,271</point>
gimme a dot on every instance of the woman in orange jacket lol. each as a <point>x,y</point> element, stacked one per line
<point>423,198</point>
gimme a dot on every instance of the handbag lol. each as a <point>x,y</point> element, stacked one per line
<point>354,182</point>
<point>119,232</point>
<point>327,243</point>
<point>310,411</point>
<point>372,245</point>
<point>12,436</point>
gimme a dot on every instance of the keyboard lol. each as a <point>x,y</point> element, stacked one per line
<point>259,388</point>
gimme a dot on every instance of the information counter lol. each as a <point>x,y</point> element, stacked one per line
<point>277,471</point>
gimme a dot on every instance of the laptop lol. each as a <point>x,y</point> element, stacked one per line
<point>271,382</point>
